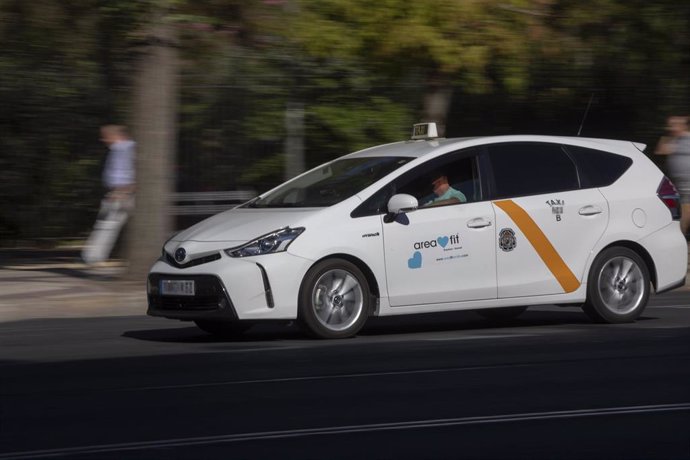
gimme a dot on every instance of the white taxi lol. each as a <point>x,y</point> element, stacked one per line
<point>492,224</point>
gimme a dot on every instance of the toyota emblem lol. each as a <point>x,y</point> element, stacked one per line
<point>180,254</point>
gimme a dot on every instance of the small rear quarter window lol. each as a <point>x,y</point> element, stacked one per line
<point>598,168</point>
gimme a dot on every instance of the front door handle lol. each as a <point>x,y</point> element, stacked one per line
<point>479,222</point>
<point>590,210</point>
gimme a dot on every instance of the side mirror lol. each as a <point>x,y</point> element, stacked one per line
<point>402,203</point>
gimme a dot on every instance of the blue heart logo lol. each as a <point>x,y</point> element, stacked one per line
<point>415,261</point>
<point>442,240</point>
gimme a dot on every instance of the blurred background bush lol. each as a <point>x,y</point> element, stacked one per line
<point>263,89</point>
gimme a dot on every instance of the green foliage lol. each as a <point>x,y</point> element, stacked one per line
<point>451,40</point>
<point>633,56</point>
<point>266,170</point>
<point>359,68</point>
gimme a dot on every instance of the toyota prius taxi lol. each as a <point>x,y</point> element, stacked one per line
<point>492,224</point>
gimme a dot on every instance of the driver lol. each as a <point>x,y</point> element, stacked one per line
<point>443,192</point>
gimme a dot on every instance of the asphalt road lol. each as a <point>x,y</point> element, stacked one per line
<point>547,385</point>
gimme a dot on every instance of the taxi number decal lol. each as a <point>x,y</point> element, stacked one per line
<point>557,206</point>
<point>541,244</point>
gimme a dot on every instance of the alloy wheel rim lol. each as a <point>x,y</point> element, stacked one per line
<point>337,299</point>
<point>621,285</point>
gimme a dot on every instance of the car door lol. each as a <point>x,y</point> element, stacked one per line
<point>546,226</point>
<point>446,253</point>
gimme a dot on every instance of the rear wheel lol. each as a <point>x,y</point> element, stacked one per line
<point>223,329</point>
<point>618,286</point>
<point>334,299</point>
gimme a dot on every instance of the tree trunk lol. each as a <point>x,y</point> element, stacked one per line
<point>154,117</point>
<point>294,140</point>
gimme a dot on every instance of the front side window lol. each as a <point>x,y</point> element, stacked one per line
<point>451,179</point>
<point>531,168</point>
<point>443,182</point>
<point>329,184</point>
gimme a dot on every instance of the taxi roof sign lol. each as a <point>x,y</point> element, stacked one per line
<point>424,131</point>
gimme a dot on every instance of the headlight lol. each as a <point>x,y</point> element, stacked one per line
<point>277,241</point>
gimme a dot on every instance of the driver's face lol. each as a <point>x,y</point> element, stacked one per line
<point>437,183</point>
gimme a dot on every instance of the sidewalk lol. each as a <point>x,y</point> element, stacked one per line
<point>37,283</point>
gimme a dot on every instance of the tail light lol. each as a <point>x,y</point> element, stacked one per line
<point>669,195</point>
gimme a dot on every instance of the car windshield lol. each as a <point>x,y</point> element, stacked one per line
<point>329,184</point>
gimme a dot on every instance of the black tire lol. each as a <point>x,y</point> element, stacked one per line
<point>618,286</point>
<point>223,329</point>
<point>502,314</point>
<point>334,299</point>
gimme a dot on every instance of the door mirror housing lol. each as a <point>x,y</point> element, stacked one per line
<point>402,202</point>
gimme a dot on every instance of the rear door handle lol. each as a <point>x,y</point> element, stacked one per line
<point>479,222</point>
<point>590,210</point>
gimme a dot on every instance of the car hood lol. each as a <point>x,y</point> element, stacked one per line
<point>241,225</point>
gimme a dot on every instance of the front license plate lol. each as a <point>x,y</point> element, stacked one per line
<point>177,287</point>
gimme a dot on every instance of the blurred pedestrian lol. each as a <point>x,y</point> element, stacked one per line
<point>118,203</point>
<point>676,146</point>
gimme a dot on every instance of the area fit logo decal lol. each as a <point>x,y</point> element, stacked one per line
<point>437,250</point>
<point>415,261</point>
<point>439,241</point>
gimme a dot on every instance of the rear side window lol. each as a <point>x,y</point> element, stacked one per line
<point>597,168</point>
<point>531,168</point>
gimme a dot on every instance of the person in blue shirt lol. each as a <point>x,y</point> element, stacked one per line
<point>119,172</point>
<point>443,192</point>
<point>119,180</point>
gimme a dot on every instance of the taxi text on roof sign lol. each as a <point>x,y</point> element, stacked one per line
<point>424,131</point>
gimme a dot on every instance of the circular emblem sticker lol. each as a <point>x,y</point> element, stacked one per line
<point>180,254</point>
<point>506,239</point>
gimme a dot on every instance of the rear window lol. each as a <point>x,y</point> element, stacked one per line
<point>597,168</point>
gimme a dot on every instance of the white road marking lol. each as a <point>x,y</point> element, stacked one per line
<point>324,377</point>
<point>346,429</point>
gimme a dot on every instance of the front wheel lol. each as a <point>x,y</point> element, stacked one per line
<point>334,299</point>
<point>618,286</point>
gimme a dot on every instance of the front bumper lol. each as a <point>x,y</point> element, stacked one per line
<point>211,300</point>
<point>250,288</point>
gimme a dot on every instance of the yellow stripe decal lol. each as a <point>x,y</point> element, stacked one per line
<point>541,244</point>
